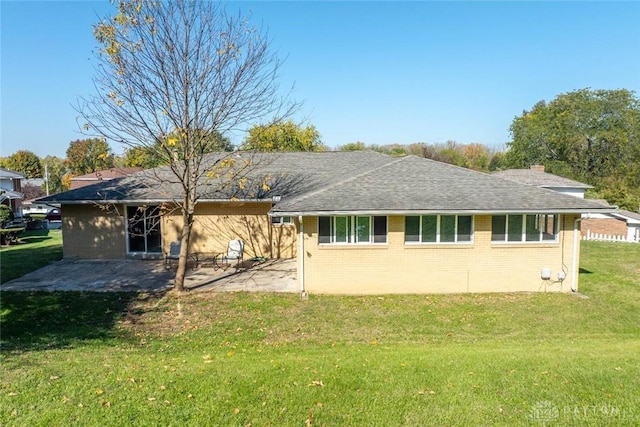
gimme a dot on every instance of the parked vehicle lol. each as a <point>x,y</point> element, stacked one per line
<point>54,215</point>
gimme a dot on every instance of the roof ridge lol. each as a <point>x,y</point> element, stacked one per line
<point>344,181</point>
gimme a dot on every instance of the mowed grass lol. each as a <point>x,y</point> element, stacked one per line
<point>274,360</point>
<point>35,249</point>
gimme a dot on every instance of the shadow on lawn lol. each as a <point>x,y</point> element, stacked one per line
<point>53,320</point>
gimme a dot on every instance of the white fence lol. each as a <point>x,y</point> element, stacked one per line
<point>607,237</point>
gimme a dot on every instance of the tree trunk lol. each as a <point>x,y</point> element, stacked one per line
<point>185,239</point>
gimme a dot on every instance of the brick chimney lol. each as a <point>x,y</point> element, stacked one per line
<point>537,168</point>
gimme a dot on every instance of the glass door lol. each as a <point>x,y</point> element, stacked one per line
<point>143,229</point>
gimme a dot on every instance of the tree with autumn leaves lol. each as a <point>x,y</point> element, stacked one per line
<point>173,75</point>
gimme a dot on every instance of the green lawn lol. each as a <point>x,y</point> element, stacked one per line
<point>272,360</point>
<point>35,249</point>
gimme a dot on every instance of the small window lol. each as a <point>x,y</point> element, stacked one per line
<point>524,228</point>
<point>438,229</point>
<point>281,220</point>
<point>352,229</point>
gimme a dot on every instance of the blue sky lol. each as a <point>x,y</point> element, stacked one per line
<point>376,72</point>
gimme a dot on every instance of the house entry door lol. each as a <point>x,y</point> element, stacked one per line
<point>143,229</point>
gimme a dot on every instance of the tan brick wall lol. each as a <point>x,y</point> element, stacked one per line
<point>91,232</point>
<point>607,226</point>
<point>215,224</point>
<point>399,268</point>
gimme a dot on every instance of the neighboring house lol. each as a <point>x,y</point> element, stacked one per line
<point>357,222</point>
<point>633,224</point>
<point>103,175</point>
<point>11,189</point>
<point>537,177</point>
<point>619,225</point>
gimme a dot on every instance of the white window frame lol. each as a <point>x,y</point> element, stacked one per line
<point>351,234</point>
<point>523,234</point>
<point>281,220</point>
<point>438,234</point>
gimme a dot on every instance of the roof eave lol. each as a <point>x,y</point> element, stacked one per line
<point>275,212</point>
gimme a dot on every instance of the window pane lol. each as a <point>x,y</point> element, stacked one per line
<point>515,228</point>
<point>363,229</point>
<point>412,229</point>
<point>464,228</point>
<point>324,229</point>
<point>429,228</point>
<point>532,232</point>
<point>342,229</point>
<point>154,237</point>
<point>448,228</point>
<point>498,228</point>
<point>135,229</point>
<point>380,229</point>
<point>549,226</point>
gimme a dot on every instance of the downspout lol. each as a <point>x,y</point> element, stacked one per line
<point>301,254</point>
<point>574,258</point>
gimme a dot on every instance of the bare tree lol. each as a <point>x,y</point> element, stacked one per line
<point>170,75</point>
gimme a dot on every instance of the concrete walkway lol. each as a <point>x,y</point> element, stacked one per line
<point>136,275</point>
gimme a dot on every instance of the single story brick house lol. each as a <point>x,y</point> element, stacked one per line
<point>357,222</point>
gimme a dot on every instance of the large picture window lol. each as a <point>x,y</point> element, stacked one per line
<point>438,229</point>
<point>352,229</point>
<point>524,228</point>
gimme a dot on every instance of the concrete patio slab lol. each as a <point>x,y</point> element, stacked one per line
<point>149,276</point>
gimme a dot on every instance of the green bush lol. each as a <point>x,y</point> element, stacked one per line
<point>10,235</point>
<point>6,215</point>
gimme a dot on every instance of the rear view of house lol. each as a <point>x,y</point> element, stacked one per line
<point>357,222</point>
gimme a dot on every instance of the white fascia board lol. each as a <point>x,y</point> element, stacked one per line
<point>441,211</point>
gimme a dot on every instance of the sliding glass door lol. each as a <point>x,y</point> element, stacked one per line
<point>143,229</point>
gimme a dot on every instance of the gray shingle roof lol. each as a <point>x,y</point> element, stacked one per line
<point>633,215</point>
<point>413,184</point>
<point>7,174</point>
<point>539,179</point>
<point>326,182</point>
